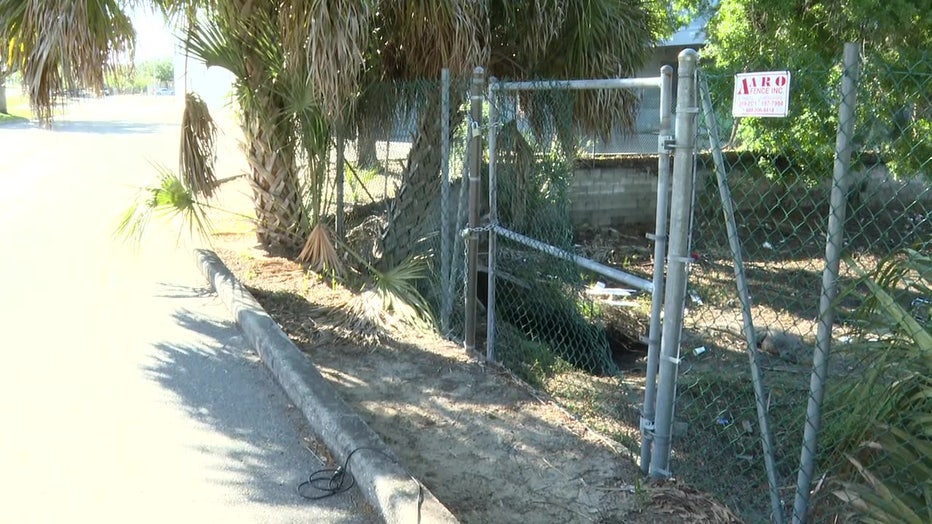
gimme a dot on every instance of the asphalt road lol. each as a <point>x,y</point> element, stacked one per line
<point>126,393</point>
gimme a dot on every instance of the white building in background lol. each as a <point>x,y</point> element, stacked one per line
<point>647,124</point>
<point>213,84</point>
<point>156,39</point>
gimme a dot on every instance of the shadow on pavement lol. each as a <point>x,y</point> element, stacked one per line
<point>168,290</point>
<point>224,386</point>
<point>108,128</point>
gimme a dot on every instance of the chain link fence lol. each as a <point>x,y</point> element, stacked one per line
<point>873,454</point>
<point>780,177</point>
<point>375,152</point>
<point>829,416</point>
<point>404,123</point>
<point>541,297</point>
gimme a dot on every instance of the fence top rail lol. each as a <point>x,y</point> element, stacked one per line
<point>604,83</point>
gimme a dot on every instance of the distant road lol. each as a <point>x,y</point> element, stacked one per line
<point>126,394</point>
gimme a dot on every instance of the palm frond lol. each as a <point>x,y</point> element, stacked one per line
<point>312,129</point>
<point>62,45</point>
<point>169,200</point>
<point>198,147</point>
<point>396,289</point>
<point>319,252</point>
<point>417,39</point>
<point>363,317</point>
<point>888,273</point>
<point>388,299</point>
<point>893,501</point>
<point>574,39</point>
<point>328,40</point>
<point>206,39</point>
<point>880,421</point>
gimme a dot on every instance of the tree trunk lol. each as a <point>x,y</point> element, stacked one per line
<point>367,156</point>
<point>415,213</point>
<point>281,218</point>
<point>3,108</point>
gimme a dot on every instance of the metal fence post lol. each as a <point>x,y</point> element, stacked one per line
<point>664,141</point>
<point>677,259</point>
<point>475,172</point>
<point>446,293</point>
<point>833,251</point>
<point>493,220</point>
<point>744,295</point>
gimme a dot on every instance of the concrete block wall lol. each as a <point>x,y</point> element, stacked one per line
<point>613,192</point>
<point>607,195</point>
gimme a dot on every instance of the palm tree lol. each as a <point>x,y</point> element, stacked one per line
<point>301,66</point>
<point>241,36</point>
<point>62,45</point>
<point>515,40</point>
<point>348,49</point>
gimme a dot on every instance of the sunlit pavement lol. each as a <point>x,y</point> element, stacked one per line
<point>126,394</point>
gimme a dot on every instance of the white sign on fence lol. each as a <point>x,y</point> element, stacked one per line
<point>764,94</point>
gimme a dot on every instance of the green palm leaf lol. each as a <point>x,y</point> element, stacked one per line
<point>169,200</point>
<point>882,420</point>
<point>207,40</point>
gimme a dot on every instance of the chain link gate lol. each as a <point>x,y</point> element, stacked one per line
<point>539,317</point>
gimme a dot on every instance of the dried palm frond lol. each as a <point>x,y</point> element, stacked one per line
<point>363,319</point>
<point>329,41</point>
<point>392,296</point>
<point>319,252</point>
<point>169,199</point>
<point>574,39</point>
<point>60,45</point>
<point>896,498</point>
<point>421,37</point>
<point>198,147</point>
<point>678,503</point>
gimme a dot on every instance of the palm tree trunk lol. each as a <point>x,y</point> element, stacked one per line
<point>366,154</point>
<point>281,217</point>
<point>414,219</point>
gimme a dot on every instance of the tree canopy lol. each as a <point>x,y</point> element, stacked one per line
<point>307,67</point>
<point>61,46</point>
<point>806,37</point>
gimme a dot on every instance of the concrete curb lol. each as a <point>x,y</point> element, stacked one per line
<point>387,486</point>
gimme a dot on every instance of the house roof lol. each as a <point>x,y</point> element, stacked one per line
<point>692,34</point>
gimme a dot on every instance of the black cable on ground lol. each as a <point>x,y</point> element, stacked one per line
<point>329,481</point>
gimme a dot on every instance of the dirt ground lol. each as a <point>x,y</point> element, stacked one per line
<point>488,446</point>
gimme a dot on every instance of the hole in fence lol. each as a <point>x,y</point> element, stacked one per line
<point>560,331</point>
<point>628,353</point>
